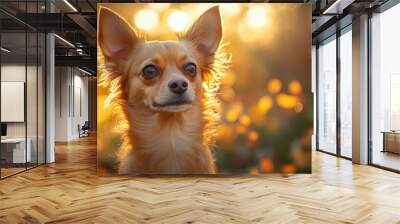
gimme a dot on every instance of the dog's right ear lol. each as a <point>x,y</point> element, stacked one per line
<point>116,38</point>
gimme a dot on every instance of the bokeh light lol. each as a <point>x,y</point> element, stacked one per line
<point>241,129</point>
<point>245,120</point>
<point>256,17</point>
<point>274,86</point>
<point>146,19</point>
<point>264,104</point>
<point>286,101</point>
<point>266,165</point>
<point>294,87</point>
<point>299,107</point>
<point>253,136</point>
<point>178,20</point>
<point>288,168</point>
<point>234,112</point>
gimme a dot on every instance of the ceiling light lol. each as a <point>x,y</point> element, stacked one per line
<point>70,5</point>
<point>84,71</point>
<point>338,6</point>
<point>5,50</point>
<point>64,40</point>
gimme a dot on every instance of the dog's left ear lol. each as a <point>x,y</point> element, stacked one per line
<point>206,32</point>
<point>115,36</point>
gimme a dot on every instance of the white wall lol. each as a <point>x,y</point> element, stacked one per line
<point>61,103</point>
<point>16,73</point>
<point>71,94</point>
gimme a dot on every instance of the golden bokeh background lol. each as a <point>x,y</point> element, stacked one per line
<point>266,92</point>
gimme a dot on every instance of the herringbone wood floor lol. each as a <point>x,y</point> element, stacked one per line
<point>70,191</point>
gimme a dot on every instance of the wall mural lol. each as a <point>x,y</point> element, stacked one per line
<point>200,88</point>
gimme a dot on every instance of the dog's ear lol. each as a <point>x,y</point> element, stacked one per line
<point>206,32</point>
<point>116,38</point>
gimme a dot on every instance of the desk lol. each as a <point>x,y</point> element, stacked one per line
<point>13,150</point>
<point>391,141</point>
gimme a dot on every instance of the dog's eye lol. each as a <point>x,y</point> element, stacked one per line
<point>190,69</point>
<point>150,72</point>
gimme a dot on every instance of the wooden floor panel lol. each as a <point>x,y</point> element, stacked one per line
<point>70,191</point>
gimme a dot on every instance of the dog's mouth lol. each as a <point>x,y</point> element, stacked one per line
<point>173,106</point>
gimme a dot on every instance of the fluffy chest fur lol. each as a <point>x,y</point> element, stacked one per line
<point>167,143</point>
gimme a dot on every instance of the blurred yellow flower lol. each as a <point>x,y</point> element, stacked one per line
<point>274,86</point>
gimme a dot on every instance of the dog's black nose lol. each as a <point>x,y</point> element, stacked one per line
<point>178,86</point>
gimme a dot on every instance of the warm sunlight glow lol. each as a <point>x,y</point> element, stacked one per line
<point>178,20</point>
<point>146,19</point>
<point>228,94</point>
<point>228,79</point>
<point>256,17</point>
<point>230,8</point>
<point>160,6</point>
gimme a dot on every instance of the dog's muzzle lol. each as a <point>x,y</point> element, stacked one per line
<point>173,105</point>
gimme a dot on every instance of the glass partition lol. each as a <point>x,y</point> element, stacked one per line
<point>14,153</point>
<point>385,89</point>
<point>327,95</point>
<point>22,88</point>
<point>346,93</point>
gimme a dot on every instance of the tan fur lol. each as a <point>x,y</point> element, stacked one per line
<point>163,142</point>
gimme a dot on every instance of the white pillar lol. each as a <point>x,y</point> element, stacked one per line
<point>360,90</point>
<point>50,93</point>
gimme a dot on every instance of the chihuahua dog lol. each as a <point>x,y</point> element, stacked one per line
<point>166,92</point>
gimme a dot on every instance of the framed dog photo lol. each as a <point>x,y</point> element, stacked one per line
<point>201,88</point>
